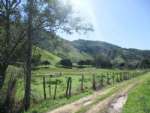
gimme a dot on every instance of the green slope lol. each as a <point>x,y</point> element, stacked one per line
<point>117,55</point>
<point>60,47</point>
<point>46,56</point>
<point>85,49</point>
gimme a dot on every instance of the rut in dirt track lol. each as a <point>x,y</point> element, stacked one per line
<point>117,105</point>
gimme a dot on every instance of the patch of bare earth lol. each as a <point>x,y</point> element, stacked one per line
<point>117,105</point>
<point>112,104</point>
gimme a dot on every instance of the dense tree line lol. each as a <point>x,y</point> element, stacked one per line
<point>104,62</point>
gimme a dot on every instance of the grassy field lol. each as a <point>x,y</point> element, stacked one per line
<point>61,74</point>
<point>139,99</point>
<point>51,75</point>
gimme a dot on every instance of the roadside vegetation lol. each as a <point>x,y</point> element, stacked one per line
<point>139,99</point>
<point>101,103</point>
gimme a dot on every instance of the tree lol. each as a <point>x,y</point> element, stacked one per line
<point>47,15</point>
<point>9,17</point>
<point>18,31</point>
<point>102,62</point>
<point>66,63</point>
<point>29,56</point>
<point>36,60</point>
<point>145,63</point>
<point>85,62</point>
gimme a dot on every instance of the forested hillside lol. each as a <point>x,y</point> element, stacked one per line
<point>60,47</point>
<point>89,50</point>
<point>118,56</point>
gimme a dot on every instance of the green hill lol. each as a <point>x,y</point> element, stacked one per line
<point>117,55</point>
<point>46,56</point>
<point>84,49</point>
<point>60,47</point>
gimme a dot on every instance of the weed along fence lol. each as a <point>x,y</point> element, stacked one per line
<point>55,86</point>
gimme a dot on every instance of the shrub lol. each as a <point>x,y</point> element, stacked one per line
<point>85,62</point>
<point>36,59</point>
<point>46,62</point>
<point>66,63</point>
<point>102,62</point>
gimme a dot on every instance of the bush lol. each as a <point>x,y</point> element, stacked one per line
<point>66,63</point>
<point>102,62</point>
<point>145,63</point>
<point>85,62</point>
<point>36,59</point>
<point>46,62</point>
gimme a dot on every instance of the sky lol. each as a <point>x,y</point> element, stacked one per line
<point>125,23</point>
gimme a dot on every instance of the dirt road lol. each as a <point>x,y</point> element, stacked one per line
<point>83,102</point>
<point>111,104</point>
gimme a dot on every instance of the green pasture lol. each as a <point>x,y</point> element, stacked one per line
<point>61,75</point>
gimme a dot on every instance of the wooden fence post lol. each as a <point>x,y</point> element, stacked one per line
<point>50,87</point>
<point>118,78</point>
<point>113,78</point>
<point>102,81</point>
<point>69,87</point>
<point>94,82</point>
<point>44,87</point>
<point>55,91</point>
<point>108,80</point>
<point>82,82</point>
